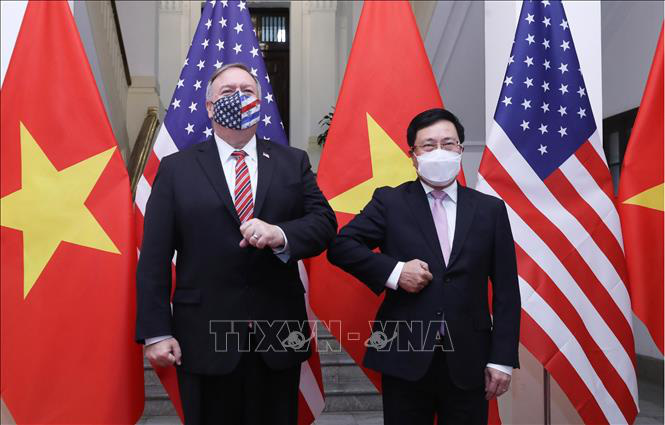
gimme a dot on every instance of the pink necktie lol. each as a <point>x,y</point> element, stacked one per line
<point>441,222</point>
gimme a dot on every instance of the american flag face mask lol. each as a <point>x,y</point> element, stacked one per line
<point>237,111</point>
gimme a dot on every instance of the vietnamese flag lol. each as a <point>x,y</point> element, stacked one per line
<point>641,204</point>
<point>388,81</point>
<point>68,249</point>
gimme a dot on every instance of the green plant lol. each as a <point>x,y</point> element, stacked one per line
<point>325,124</point>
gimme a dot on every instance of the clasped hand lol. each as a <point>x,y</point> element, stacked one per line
<point>259,234</point>
<point>415,276</point>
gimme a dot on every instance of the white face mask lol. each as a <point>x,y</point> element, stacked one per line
<point>439,167</point>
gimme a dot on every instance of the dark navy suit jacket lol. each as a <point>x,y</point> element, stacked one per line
<point>399,222</point>
<point>190,210</point>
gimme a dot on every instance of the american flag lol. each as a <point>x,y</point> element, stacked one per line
<point>224,35</point>
<point>545,159</point>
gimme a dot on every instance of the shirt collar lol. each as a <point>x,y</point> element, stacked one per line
<point>450,190</point>
<point>225,150</point>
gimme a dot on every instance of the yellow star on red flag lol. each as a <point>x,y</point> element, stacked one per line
<point>49,208</point>
<point>650,198</point>
<point>390,167</point>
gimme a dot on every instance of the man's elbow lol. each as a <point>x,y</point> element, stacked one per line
<point>332,224</point>
<point>328,230</point>
<point>336,251</point>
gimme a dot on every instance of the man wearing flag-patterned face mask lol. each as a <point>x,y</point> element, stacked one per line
<point>240,212</point>
<point>237,111</point>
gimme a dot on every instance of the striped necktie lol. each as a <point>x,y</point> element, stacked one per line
<point>243,199</point>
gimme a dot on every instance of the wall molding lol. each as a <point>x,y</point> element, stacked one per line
<point>112,69</point>
<point>319,6</point>
<point>172,6</point>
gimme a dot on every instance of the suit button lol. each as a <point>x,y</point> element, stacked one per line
<point>447,280</point>
<point>439,313</point>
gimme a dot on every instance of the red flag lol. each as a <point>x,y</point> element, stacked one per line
<point>641,204</point>
<point>68,250</point>
<point>388,81</point>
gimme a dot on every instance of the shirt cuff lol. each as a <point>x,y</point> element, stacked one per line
<point>501,368</point>
<point>393,279</point>
<point>156,339</point>
<point>283,252</point>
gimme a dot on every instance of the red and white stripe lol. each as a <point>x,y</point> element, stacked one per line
<point>243,198</point>
<point>250,106</point>
<point>311,383</point>
<point>576,314</point>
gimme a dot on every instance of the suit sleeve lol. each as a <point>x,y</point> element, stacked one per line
<point>309,235</point>
<point>153,274</point>
<point>352,249</point>
<point>506,306</point>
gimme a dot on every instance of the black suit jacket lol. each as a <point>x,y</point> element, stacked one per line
<point>399,222</point>
<point>190,211</point>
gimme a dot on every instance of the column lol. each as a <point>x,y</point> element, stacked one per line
<point>313,71</point>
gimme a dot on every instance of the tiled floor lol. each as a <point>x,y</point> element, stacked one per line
<point>354,418</point>
<point>332,418</point>
<point>651,412</point>
<point>160,420</point>
<point>651,404</point>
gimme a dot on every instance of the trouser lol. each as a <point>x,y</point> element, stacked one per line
<point>417,402</point>
<point>252,394</point>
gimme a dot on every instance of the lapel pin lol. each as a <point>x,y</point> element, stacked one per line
<point>266,155</point>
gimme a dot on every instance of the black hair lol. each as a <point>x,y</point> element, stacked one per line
<point>429,117</point>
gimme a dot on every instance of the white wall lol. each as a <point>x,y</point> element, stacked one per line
<point>630,33</point>
<point>12,17</point>
<point>176,25</point>
<point>347,17</point>
<point>313,71</point>
<point>85,31</point>
<point>98,34</point>
<point>455,45</point>
<point>138,23</point>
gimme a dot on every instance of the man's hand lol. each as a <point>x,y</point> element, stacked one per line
<point>415,276</point>
<point>164,353</point>
<point>260,234</point>
<point>496,383</point>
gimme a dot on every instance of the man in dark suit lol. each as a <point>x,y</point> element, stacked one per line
<point>434,342</point>
<point>239,212</point>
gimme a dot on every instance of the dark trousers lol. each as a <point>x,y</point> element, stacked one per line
<point>414,403</point>
<point>251,394</point>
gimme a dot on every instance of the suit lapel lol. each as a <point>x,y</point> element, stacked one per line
<point>417,201</point>
<point>266,166</point>
<point>466,208</point>
<point>208,157</point>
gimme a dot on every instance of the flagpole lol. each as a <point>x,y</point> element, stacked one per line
<point>547,411</point>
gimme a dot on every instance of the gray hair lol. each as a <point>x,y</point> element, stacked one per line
<point>224,68</point>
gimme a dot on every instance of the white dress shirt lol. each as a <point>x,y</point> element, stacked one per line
<point>229,163</point>
<point>450,206</point>
<point>251,159</point>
